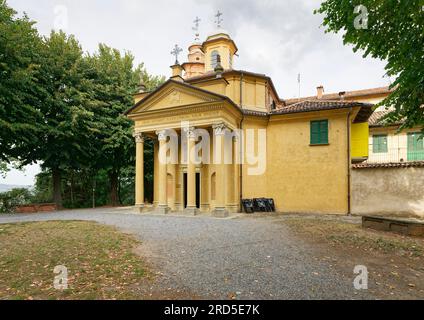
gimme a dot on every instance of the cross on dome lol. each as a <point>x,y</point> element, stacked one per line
<point>219,20</point>
<point>176,52</point>
<point>196,28</point>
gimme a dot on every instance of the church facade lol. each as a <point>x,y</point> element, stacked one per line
<point>222,135</point>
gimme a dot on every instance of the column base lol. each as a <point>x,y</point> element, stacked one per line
<point>163,209</point>
<point>140,208</point>
<point>179,207</point>
<point>192,211</point>
<point>205,208</point>
<point>220,213</point>
<point>233,208</point>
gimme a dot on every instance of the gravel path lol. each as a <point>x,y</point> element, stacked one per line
<point>247,258</point>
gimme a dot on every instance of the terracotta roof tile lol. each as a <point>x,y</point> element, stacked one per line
<point>388,165</point>
<point>255,113</point>
<point>347,94</point>
<point>376,118</point>
<point>318,105</point>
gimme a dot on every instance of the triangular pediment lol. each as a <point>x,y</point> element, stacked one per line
<point>173,94</point>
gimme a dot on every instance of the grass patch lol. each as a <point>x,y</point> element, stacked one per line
<point>100,261</point>
<point>348,234</point>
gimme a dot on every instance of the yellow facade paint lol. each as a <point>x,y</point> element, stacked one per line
<point>360,134</point>
<point>304,178</point>
<point>300,177</point>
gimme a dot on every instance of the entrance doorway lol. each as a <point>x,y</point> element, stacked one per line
<point>197,190</point>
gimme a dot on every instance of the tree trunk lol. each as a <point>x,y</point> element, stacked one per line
<point>57,188</point>
<point>113,182</point>
<point>94,193</point>
<point>72,189</point>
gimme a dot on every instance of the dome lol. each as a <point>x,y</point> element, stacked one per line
<point>218,33</point>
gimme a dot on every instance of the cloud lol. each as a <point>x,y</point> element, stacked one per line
<point>278,38</point>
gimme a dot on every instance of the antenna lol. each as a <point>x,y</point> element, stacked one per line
<point>299,81</point>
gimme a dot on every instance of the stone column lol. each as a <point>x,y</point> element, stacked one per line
<point>236,166</point>
<point>172,169</point>
<point>191,173</point>
<point>139,172</point>
<point>219,151</point>
<point>156,173</point>
<point>163,183</point>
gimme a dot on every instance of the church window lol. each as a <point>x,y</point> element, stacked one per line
<point>214,59</point>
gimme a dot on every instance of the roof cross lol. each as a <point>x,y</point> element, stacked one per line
<point>196,28</point>
<point>219,20</point>
<point>176,52</point>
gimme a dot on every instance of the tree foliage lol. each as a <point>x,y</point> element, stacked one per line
<point>20,103</point>
<point>64,108</point>
<point>394,33</point>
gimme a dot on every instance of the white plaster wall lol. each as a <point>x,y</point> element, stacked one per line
<point>388,191</point>
<point>397,148</point>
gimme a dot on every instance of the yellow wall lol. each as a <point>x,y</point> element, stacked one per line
<point>254,91</point>
<point>254,186</point>
<point>303,178</point>
<point>360,134</point>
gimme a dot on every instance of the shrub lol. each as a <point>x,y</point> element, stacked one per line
<point>14,198</point>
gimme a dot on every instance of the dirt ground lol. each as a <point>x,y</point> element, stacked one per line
<point>395,263</point>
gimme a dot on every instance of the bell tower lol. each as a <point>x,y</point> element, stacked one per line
<point>219,43</point>
<point>196,58</point>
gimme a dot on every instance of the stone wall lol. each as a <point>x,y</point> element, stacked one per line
<point>388,190</point>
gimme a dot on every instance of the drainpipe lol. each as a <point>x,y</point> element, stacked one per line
<point>349,164</point>
<point>241,141</point>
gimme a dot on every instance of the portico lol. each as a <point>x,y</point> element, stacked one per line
<point>195,169</point>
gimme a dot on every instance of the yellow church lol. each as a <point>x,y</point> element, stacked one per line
<point>222,135</point>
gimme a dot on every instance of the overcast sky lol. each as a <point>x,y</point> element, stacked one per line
<point>275,37</point>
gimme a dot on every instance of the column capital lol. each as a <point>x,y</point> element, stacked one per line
<point>190,132</point>
<point>219,129</point>
<point>139,137</point>
<point>162,135</point>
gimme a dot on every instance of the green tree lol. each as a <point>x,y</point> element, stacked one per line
<point>389,30</point>
<point>21,94</point>
<point>114,81</point>
<point>69,124</point>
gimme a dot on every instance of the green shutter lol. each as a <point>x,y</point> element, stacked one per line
<point>319,132</point>
<point>415,147</point>
<point>324,131</point>
<point>380,144</point>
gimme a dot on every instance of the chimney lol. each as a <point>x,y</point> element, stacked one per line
<point>320,92</point>
<point>177,72</point>
<point>342,95</point>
